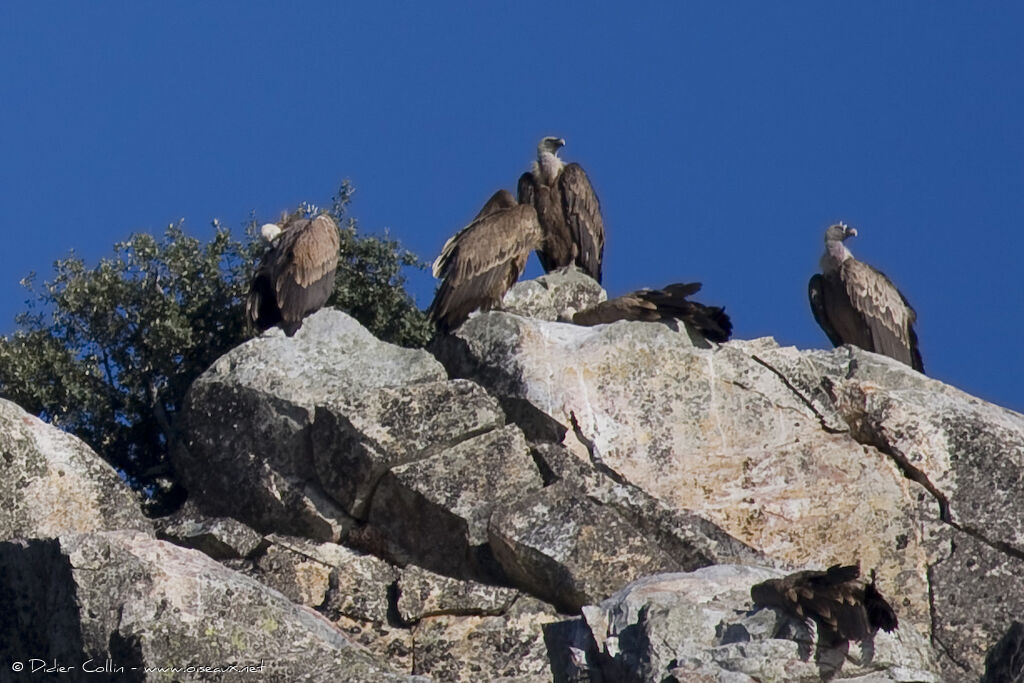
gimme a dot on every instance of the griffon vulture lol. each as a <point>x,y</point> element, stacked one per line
<point>296,276</point>
<point>661,304</point>
<point>856,304</point>
<point>483,260</point>
<point>844,605</point>
<point>568,210</point>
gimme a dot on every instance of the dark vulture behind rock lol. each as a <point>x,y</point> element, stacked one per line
<point>1004,663</point>
<point>843,605</point>
<point>296,275</point>
<point>479,264</point>
<point>856,304</point>
<point>568,210</point>
<point>652,305</point>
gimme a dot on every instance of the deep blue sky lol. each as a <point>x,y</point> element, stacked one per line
<point>722,139</point>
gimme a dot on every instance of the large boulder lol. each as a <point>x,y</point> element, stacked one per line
<point>714,432</point>
<point>52,483</point>
<point>247,452</point>
<point>699,626</point>
<point>126,601</point>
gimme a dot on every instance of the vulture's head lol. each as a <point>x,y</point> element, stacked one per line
<point>270,231</point>
<point>551,145</point>
<point>839,232</point>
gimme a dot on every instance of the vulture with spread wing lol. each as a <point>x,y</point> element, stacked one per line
<point>844,605</point>
<point>568,211</point>
<point>296,276</point>
<point>652,305</point>
<point>483,260</point>
<point>856,304</point>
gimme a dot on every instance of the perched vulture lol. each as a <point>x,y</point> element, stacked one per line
<point>844,605</point>
<point>483,260</point>
<point>652,305</point>
<point>568,210</point>
<point>296,276</point>
<point>856,304</point>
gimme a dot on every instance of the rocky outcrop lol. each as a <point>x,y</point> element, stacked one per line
<point>711,430</point>
<point>150,610</point>
<point>476,512</point>
<point>51,483</point>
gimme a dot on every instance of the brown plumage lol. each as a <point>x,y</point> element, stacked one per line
<point>844,606</point>
<point>483,260</point>
<point>296,275</point>
<point>568,210</point>
<point>652,305</point>
<point>856,304</point>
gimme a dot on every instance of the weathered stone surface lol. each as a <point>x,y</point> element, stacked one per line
<point>969,457</point>
<point>52,483</point>
<point>422,593</point>
<point>332,355</point>
<point>967,450</point>
<point>690,540</point>
<point>222,538</point>
<point>143,602</point>
<point>487,648</point>
<point>977,593</point>
<point>696,626</point>
<point>247,451</point>
<point>336,579</point>
<point>434,511</point>
<point>716,432</point>
<point>301,579</point>
<point>386,642</point>
<point>553,296</point>
<point>352,589</point>
<point>357,438</point>
<point>568,550</point>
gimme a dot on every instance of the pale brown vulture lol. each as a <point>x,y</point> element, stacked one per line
<point>652,305</point>
<point>856,304</point>
<point>844,605</point>
<point>296,276</point>
<point>568,210</point>
<point>483,260</point>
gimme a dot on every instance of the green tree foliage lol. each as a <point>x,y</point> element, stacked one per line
<point>108,352</point>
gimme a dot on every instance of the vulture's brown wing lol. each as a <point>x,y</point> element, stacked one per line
<point>651,305</point>
<point>481,262</point>
<point>837,599</point>
<point>885,311</point>
<point>502,199</point>
<point>583,218</point>
<point>306,257</point>
<point>626,307</point>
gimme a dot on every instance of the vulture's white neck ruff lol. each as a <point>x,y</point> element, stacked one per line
<point>835,254</point>
<point>548,167</point>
